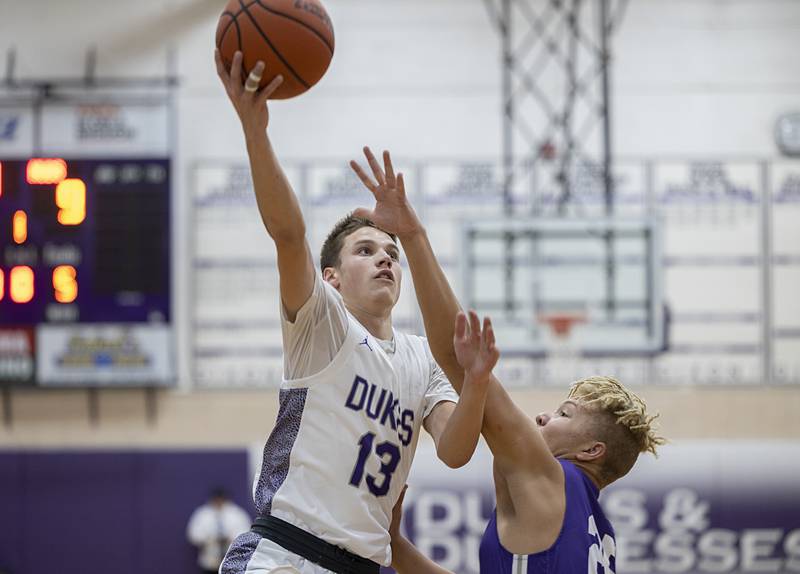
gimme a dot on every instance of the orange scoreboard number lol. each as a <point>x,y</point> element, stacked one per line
<point>65,283</point>
<point>20,284</point>
<point>70,199</point>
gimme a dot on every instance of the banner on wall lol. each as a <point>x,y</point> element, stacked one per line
<point>17,354</point>
<point>106,354</point>
<point>729,507</point>
<point>101,127</point>
<point>16,130</point>
<point>107,127</point>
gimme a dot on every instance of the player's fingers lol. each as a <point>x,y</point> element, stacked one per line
<point>487,335</point>
<point>387,166</point>
<point>402,495</point>
<point>401,185</point>
<point>270,88</point>
<point>236,69</point>
<point>365,179</point>
<point>461,325</point>
<point>221,71</point>
<point>474,323</point>
<point>253,79</point>
<point>376,168</point>
<point>258,70</point>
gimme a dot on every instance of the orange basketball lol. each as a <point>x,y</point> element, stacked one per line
<point>294,38</point>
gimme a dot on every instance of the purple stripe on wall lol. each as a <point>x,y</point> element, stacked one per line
<point>98,512</point>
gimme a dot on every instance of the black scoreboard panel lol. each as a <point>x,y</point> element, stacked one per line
<point>84,241</point>
<point>85,271</point>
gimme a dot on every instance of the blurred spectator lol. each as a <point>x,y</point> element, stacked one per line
<point>213,526</point>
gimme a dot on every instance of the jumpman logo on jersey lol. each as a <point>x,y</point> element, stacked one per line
<point>366,342</point>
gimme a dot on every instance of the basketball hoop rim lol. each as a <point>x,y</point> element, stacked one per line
<point>561,322</point>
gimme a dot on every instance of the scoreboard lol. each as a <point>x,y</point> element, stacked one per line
<point>85,271</point>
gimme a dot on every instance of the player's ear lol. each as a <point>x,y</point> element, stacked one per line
<point>330,275</point>
<point>594,451</point>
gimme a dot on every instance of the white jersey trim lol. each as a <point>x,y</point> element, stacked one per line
<point>520,564</point>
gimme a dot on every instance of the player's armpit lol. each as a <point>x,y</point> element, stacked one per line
<point>296,273</point>
<point>514,438</point>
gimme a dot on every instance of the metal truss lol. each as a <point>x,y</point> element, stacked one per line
<point>556,64</point>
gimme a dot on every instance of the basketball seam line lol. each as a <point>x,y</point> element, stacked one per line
<point>238,35</point>
<point>277,53</point>
<point>298,20</point>
<point>225,33</point>
<point>228,27</point>
<point>233,19</point>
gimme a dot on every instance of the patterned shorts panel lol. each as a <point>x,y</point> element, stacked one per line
<point>252,554</point>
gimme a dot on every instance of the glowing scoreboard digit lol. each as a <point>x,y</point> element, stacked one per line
<point>85,268</point>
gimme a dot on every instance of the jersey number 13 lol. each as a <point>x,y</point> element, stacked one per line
<point>389,455</point>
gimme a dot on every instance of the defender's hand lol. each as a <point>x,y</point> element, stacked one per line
<point>475,348</point>
<point>392,211</point>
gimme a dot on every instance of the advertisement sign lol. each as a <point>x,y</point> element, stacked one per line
<point>16,130</point>
<point>104,355</point>
<point>94,128</point>
<point>16,355</point>
<point>106,127</point>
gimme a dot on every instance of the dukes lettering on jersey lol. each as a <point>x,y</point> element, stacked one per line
<point>381,405</point>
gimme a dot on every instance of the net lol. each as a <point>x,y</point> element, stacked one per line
<point>561,361</point>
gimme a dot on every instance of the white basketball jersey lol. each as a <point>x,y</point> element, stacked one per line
<point>344,440</point>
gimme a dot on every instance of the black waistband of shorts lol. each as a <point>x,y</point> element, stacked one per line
<point>305,544</point>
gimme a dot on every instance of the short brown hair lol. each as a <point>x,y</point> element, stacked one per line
<point>622,423</point>
<point>332,248</point>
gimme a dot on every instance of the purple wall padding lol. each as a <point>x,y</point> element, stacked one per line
<point>99,512</point>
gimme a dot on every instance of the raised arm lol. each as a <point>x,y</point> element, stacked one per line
<point>277,203</point>
<point>512,436</point>
<point>456,428</point>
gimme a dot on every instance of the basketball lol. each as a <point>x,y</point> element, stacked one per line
<point>294,38</point>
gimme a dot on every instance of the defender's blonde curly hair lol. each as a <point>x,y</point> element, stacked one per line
<point>626,427</point>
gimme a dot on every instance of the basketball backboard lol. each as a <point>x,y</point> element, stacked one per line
<point>607,270</point>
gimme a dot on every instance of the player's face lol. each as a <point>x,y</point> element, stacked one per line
<point>369,272</point>
<point>565,429</point>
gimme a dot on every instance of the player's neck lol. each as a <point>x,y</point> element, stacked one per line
<point>592,473</point>
<point>379,326</point>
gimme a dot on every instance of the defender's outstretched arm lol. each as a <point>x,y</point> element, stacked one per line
<point>513,437</point>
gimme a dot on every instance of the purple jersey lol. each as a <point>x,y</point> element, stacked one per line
<point>584,545</point>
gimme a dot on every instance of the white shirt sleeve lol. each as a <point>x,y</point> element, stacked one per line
<point>236,520</point>
<point>318,332</point>
<point>439,387</point>
<point>200,528</point>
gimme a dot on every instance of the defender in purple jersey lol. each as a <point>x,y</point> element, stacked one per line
<point>548,471</point>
